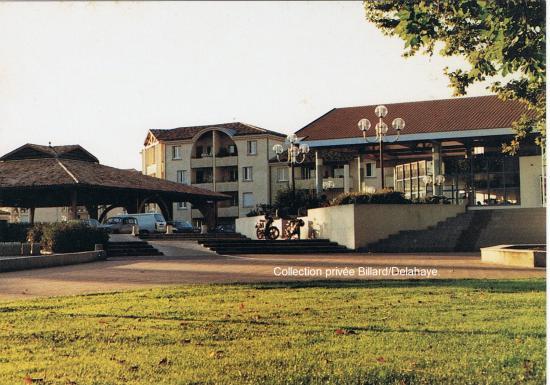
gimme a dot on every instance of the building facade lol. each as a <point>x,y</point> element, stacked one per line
<point>449,148</point>
<point>230,158</point>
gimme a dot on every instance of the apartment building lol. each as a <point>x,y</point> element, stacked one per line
<point>231,158</point>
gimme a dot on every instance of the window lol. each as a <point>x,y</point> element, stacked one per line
<point>233,174</point>
<point>282,174</point>
<point>232,149</point>
<point>182,177</point>
<point>176,152</point>
<point>248,199</point>
<point>307,172</point>
<point>251,147</point>
<point>182,205</point>
<point>370,170</point>
<point>203,175</point>
<point>409,179</point>
<point>247,174</point>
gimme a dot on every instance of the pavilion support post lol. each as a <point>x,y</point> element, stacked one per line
<point>346,178</point>
<point>92,211</point>
<point>318,174</point>
<point>31,215</point>
<point>73,214</point>
<point>209,211</point>
<point>436,167</point>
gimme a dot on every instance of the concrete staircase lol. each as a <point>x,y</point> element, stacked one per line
<point>190,236</point>
<point>513,226</point>
<point>256,246</point>
<point>131,249</point>
<point>469,231</point>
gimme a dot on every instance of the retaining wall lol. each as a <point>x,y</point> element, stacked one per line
<point>36,262</point>
<point>356,226</point>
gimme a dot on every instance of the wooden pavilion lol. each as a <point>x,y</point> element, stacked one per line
<point>34,176</point>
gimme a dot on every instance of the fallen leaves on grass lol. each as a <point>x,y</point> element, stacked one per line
<point>344,332</point>
<point>217,354</point>
<point>381,359</point>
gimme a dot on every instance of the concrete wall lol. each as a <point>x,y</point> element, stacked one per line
<point>35,262</point>
<point>356,226</point>
<point>530,170</point>
<point>247,225</point>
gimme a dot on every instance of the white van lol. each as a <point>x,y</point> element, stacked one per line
<point>149,222</point>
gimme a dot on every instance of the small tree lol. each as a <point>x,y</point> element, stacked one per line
<point>288,202</point>
<point>500,39</point>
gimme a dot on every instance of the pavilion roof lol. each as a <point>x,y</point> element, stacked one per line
<point>17,171</point>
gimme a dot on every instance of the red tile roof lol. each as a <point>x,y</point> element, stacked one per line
<point>457,114</point>
<point>181,133</point>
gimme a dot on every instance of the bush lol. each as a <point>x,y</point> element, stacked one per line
<point>71,237</point>
<point>34,234</point>
<point>288,202</point>
<point>260,209</point>
<point>13,232</point>
<point>381,197</point>
<point>433,199</point>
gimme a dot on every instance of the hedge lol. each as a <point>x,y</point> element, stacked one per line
<point>13,232</point>
<point>68,237</point>
<point>382,197</point>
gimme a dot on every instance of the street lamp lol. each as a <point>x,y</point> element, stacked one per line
<point>437,181</point>
<point>381,129</point>
<point>296,154</point>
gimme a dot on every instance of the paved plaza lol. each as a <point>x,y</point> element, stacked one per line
<point>186,262</point>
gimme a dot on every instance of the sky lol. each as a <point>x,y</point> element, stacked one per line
<point>102,74</point>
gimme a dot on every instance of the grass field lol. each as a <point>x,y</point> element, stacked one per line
<point>394,332</point>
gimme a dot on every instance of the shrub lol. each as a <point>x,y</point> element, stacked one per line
<point>288,202</point>
<point>34,234</point>
<point>71,237</point>
<point>260,209</point>
<point>379,197</point>
<point>13,232</point>
<point>433,199</point>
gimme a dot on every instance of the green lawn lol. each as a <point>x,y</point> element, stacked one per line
<point>416,332</point>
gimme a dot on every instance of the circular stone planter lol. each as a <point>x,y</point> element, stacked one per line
<point>515,255</point>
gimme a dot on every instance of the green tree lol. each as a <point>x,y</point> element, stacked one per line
<point>502,40</point>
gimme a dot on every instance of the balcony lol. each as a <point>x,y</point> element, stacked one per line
<point>226,161</point>
<point>232,211</point>
<point>207,186</point>
<point>309,184</point>
<point>206,161</point>
<point>305,184</point>
<point>227,186</point>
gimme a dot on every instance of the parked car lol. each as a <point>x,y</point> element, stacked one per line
<point>94,223</point>
<point>149,222</point>
<point>120,224</point>
<point>184,227</point>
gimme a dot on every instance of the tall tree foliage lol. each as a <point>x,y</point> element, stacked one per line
<point>502,40</point>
